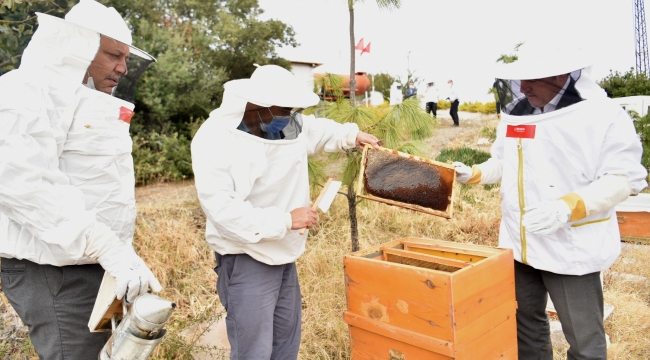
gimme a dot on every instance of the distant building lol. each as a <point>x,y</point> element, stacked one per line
<point>640,104</point>
<point>303,70</point>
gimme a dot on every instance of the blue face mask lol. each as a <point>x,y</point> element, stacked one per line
<point>277,123</point>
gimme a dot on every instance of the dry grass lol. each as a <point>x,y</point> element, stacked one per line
<point>170,238</point>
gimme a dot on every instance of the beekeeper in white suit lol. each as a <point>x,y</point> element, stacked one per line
<point>250,165</point>
<point>67,207</point>
<point>565,155</point>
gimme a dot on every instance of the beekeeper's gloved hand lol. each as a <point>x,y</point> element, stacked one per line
<point>546,217</point>
<point>131,274</point>
<point>463,172</point>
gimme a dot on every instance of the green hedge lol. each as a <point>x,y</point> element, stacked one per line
<point>479,107</point>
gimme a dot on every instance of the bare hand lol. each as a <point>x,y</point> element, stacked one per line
<point>368,139</point>
<point>304,217</point>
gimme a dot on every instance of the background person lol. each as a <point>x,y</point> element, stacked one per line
<point>250,165</point>
<point>67,205</point>
<point>431,99</point>
<point>565,155</point>
<point>410,91</point>
<point>453,98</point>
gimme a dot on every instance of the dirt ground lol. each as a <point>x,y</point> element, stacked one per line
<point>466,134</point>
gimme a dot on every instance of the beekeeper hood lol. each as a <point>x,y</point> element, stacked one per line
<point>269,85</point>
<point>61,51</point>
<point>546,77</point>
<point>107,21</point>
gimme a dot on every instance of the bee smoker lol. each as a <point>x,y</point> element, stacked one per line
<point>140,330</point>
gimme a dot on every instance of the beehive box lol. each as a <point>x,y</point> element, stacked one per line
<point>407,181</point>
<point>417,299</point>
<point>634,218</point>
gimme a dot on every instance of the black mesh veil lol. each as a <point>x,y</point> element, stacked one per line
<point>136,66</point>
<point>537,96</point>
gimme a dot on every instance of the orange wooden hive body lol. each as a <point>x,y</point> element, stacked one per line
<point>418,299</point>
<point>634,218</point>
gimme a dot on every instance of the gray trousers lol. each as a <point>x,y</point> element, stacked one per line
<point>55,303</point>
<point>579,304</point>
<point>263,305</point>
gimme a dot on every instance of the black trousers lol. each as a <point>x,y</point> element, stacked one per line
<point>579,304</point>
<point>454,111</point>
<point>55,303</point>
<point>432,107</point>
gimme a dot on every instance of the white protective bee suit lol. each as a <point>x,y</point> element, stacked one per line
<point>563,166</point>
<point>67,194</point>
<point>587,154</point>
<point>248,187</point>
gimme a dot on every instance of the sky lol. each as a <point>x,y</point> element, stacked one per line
<point>460,40</point>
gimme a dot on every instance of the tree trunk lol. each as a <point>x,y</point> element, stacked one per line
<point>354,229</point>
<point>353,81</point>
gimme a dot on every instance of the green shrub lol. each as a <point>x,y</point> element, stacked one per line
<point>160,158</point>
<point>642,126</point>
<point>444,104</point>
<point>479,107</point>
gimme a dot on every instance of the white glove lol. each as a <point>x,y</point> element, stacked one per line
<point>546,217</point>
<point>131,274</point>
<point>463,172</point>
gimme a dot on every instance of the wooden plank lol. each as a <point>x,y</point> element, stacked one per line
<point>493,270</point>
<point>407,260</point>
<point>634,224</point>
<point>364,154</point>
<point>429,258</point>
<point>508,354</point>
<point>446,254</point>
<point>464,248</point>
<point>411,298</point>
<point>483,301</point>
<point>403,336</point>
<point>432,258</point>
<point>366,345</point>
<point>498,343</point>
<point>374,249</point>
<point>494,316</point>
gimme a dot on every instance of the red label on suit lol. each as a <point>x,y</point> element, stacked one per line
<point>126,114</point>
<point>521,131</point>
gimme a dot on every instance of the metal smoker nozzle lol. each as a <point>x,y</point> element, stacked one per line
<point>148,315</point>
<point>140,331</point>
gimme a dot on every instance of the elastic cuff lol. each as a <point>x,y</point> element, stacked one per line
<point>288,221</point>
<point>476,176</point>
<point>577,206</point>
<point>351,138</point>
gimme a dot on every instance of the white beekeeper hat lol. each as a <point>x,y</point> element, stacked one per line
<point>544,58</point>
<point>272,85</point>
<point>107,21</point>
